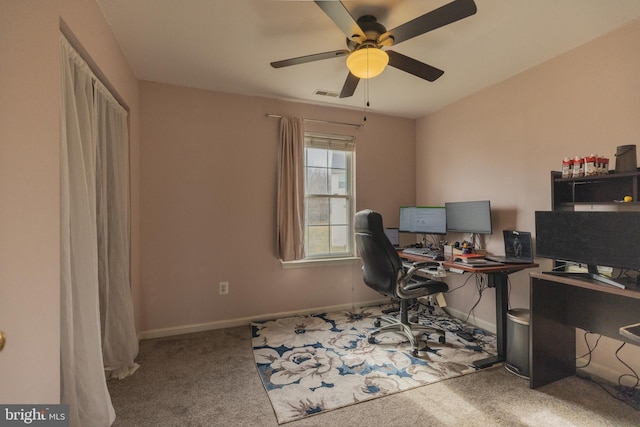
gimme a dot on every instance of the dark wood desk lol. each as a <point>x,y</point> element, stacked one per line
<point>560,304</point>
<point>497,276</point>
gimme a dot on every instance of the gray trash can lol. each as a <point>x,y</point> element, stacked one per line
<point>518,342</point>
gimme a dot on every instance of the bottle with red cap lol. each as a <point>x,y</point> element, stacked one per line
<point>578,167</point>
<point>567,168</point>
<point>590,165</point>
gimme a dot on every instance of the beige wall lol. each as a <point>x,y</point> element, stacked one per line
<point>501,144</point>
<point>208,173</point>
<point>29,173</point>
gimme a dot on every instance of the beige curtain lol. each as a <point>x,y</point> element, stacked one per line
<point>290,203</point>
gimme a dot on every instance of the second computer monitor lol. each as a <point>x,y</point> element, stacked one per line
<point>469,217</point>
<point>423,219</point>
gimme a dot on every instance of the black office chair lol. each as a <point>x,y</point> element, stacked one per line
<point>383,271</point>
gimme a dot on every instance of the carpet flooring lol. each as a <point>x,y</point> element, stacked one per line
<point>311,364</point>
<point>210,379</point>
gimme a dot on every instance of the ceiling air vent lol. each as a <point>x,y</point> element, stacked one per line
<point>326,93</point>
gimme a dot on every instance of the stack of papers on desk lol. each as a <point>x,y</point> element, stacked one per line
<point>470,256</point>
<point>477,262</point>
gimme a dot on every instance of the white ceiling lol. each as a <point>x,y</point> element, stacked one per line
<point>227,45</point>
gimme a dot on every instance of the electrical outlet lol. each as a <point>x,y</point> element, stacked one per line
<point>224,288</point>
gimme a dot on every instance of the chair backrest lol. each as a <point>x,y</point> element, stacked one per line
<point>382,265</point>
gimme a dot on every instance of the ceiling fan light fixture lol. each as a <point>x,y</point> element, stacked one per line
<point>367,62</point>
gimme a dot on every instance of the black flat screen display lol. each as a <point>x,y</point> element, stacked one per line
<point>609,239</point>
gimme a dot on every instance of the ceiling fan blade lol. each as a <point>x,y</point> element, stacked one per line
<point>309,58</point>
<point>451,12</point>
<point>412,66</point>
<point>342,18</point>
<point>349,86</point>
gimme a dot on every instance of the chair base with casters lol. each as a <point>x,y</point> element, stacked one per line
<point>405,327</point>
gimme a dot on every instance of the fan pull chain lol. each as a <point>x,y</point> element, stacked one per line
<point>366,90</point>
<point>366,99</point>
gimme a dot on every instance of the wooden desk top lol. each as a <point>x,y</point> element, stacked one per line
<point>508,268</point>
<point>503,268</point>
<point>630,291</point>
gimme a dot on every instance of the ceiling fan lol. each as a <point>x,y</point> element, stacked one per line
<point>366,37</point>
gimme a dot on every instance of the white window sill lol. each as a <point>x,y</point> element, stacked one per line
<point>319,262</point>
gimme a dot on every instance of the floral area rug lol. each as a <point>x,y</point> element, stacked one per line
<point>311,364</point>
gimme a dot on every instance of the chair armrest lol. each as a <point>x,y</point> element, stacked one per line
<point>408,289</point>
<point>422,264</point>
<point>431,286</point>
<point>417,266</point>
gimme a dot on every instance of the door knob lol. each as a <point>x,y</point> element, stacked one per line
<point>3,340</point>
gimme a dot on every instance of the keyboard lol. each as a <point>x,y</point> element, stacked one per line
<point>425,252</point>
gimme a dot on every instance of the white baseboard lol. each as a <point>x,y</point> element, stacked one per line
<point>200,327</point>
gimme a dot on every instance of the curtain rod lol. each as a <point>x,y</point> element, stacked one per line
<point>277,116</point>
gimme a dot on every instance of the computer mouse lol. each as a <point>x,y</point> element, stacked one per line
<point>457,259</point>
<point>439,258</point>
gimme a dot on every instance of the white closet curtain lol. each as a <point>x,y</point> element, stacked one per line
<point>97,330</point>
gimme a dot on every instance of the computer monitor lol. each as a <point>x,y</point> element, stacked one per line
<point>608,239</point>
<point>392,235</point>
<point>423,219</point>
<point>469,217</point>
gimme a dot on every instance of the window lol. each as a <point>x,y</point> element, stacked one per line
<point>329,199</point>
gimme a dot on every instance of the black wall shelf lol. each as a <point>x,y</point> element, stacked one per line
<point>567,193</point>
